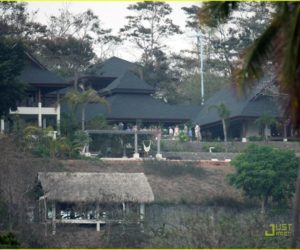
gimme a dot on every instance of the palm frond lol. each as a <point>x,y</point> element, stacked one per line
<point>213,13</point>
<point>290,73</point>
<point>254,58</point>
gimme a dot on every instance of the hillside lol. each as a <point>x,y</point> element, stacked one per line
<point>195,183</point>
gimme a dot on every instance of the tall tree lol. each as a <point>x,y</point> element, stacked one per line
<point>224,114</point>
<point>17,23</point>
<point>71,42</point>
<point>11,63</point>
<point>278,44</point>
<point>148,28</point>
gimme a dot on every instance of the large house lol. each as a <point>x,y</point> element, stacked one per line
<point>262,100</point>
<point>130,98</point>
<point>39,107</point>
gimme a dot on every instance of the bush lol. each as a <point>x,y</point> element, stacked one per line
<point>255,138</point>
<point>183,137</point>
<point>169,169</point>
<point>265,172</point>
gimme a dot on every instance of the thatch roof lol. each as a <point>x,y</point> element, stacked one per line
<point>96,187</point>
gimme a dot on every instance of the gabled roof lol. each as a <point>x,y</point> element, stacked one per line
<point>140,107</point>
<point>254,104</point>
<point>113,67</point>
<point>34,73</point>
<point>128,83</point>
<point>96,187</point>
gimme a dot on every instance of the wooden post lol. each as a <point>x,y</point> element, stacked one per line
<point>45,216</point>
<point>142,216</point>
<point>2,126</point>
<point>158,154</point>
<point>136,152</point>
<point>53,218</point>
<point>285,131</point>
<point>142,211</point>
<point>124,209</point>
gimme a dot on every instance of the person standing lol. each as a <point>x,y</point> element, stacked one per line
<point>198,133</point>
<point>171,132</point>
<point>176,131</point>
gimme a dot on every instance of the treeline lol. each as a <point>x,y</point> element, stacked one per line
<point>69,43</point>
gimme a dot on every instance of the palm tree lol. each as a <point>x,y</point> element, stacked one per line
<point>224,114</point>
<point>265,121</point>
<point>280,44</point>
<point>82,98</point>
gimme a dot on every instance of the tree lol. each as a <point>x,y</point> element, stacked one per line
<point>265,173</point>
<point>279,44</point>
<point>147,29</point>
<point>69,47</point>
<point>265,120</point>
<point>78,98</point>
<point>17,23</point>
<point>224,114</point>
<point>12,58</point>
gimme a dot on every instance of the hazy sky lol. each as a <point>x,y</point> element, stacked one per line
<point>112,15</point>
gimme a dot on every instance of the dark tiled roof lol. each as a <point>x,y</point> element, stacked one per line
<point>254,104</point>
<point>128,83</point>
<point>113,67</point>
<point>35,73</point>
<point>139,107</point>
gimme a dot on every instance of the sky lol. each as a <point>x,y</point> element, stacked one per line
<point>112,15</point>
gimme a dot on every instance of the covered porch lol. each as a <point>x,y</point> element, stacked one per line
<point>97,193</point>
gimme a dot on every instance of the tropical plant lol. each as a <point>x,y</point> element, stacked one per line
<point>83,98</point>
<point>278,44</point>
<point>265,121</point>
<point>265,172</point>
<point>224,114</point>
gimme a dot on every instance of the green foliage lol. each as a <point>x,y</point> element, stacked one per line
<point>254,138</point>
<point>9,241</point>
<point>80,99</point>
<point>98,122</point>
<point>12,58</point>
<point>183,137</point>
<point>169,169</point>
<point>265,172</point>
<point>40,142</point>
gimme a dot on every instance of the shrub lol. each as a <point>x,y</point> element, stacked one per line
<point>171,169</point>
<point>265,172</point>
<point>183,137</point>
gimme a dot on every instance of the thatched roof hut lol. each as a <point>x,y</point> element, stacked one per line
<point>96,187</point>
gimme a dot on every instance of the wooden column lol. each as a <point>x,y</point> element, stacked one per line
<point>142,211</point>
<point>2,126</point>
<point>39,109</point>
<point>124,209</point>
<point>53,218</point>
<point>45,216</point>
<point>158,154</point>
<point>58,113</point>
<point>142,216</point>
<point>136,151</point>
